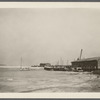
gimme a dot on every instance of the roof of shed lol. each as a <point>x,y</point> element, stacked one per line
<point>87,59</point>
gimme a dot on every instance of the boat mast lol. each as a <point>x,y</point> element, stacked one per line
<point>81,53</point>
<point>21,62</point>
<point>61,61</point>
<point>58,62</point>
<point>67,62</point>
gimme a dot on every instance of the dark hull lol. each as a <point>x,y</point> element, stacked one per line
<point>78,70</point>
<point>59,69</point>
<point>49,69</point>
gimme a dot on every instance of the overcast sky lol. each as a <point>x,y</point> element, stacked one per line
<point>46,35</point>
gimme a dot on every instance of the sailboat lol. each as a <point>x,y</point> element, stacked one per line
<point>23,68</point>
<point>59,67</point>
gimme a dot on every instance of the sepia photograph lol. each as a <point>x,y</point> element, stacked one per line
<point>50,49</point>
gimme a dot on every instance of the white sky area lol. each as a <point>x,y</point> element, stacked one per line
<point>48,34</point>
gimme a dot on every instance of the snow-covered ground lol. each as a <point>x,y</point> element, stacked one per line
<point>14,80</point>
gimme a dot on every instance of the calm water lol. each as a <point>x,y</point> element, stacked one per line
<point>14,80</point>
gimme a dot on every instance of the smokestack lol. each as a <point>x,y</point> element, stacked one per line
<point>81,53</point>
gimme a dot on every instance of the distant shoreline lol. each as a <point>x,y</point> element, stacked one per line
<point>11,66</point>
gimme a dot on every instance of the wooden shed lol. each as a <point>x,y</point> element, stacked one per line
<point>88,64</point>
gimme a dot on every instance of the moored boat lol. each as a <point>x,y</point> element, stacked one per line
<point>48,68</point>
<point>24,68</point>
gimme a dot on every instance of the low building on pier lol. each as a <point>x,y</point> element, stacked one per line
<point>44,64</point>
<point>88,64</point>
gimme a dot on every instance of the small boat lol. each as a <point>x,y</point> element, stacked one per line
<point>23,68</point>
<point>78,69</point>
<point>59,68</point>
<point>49,68</point>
